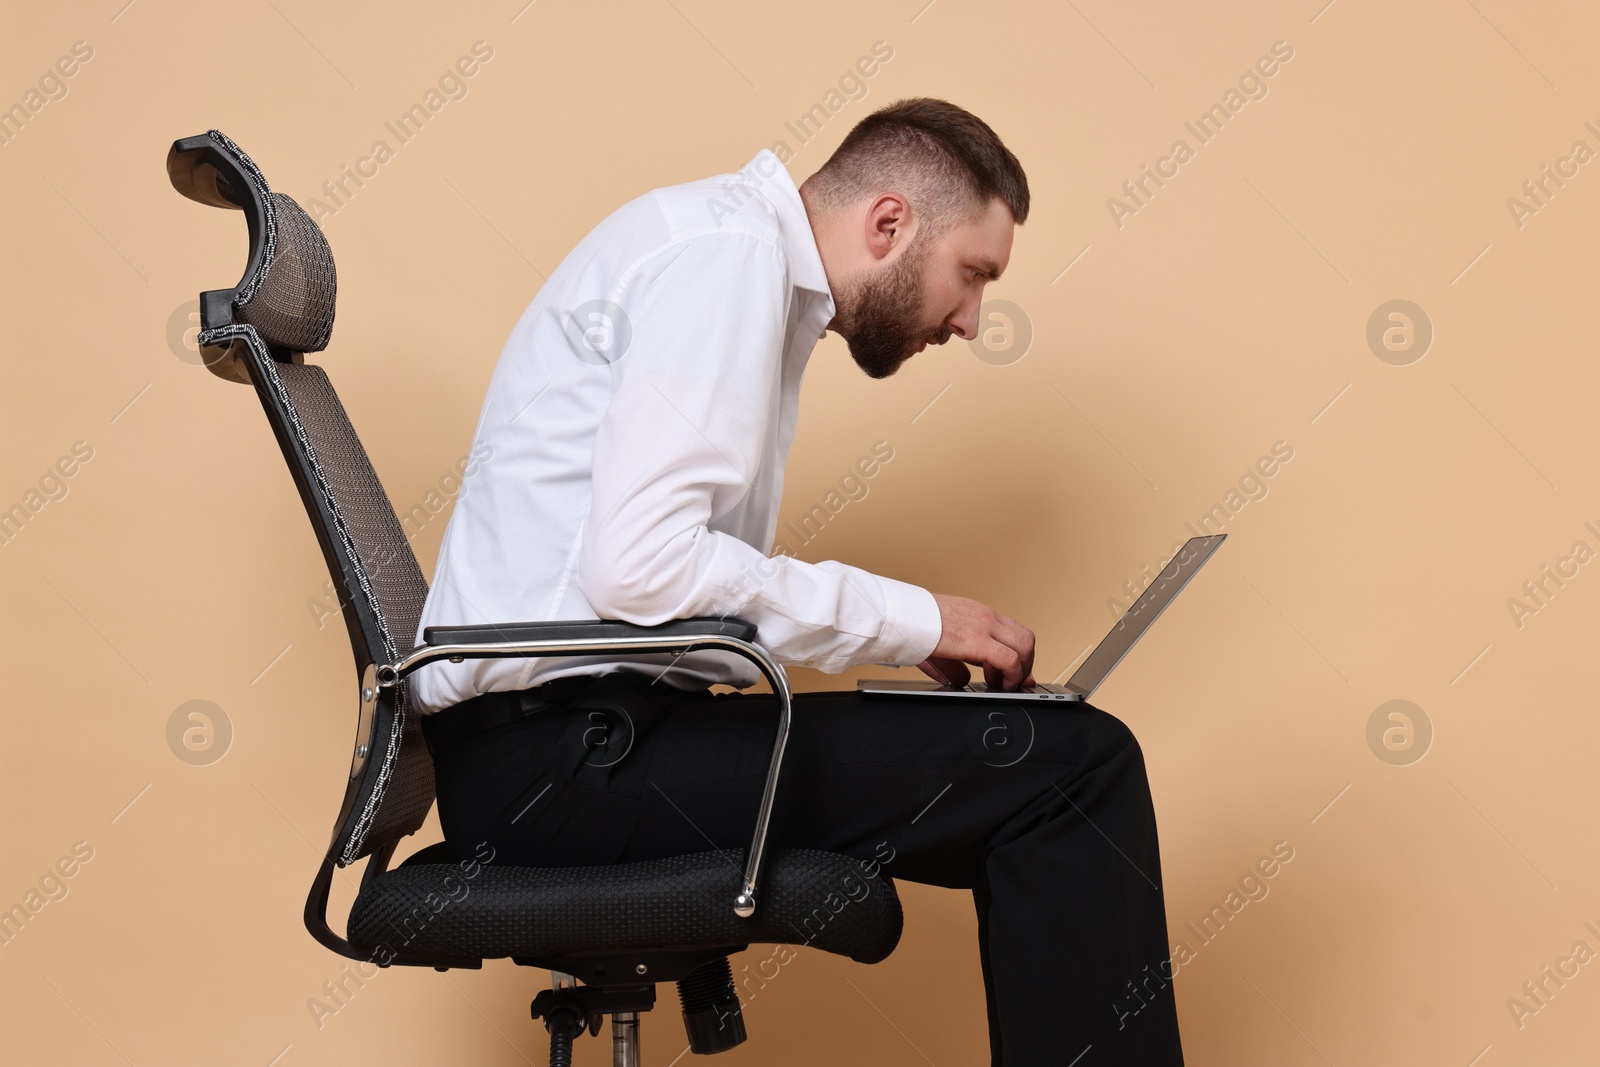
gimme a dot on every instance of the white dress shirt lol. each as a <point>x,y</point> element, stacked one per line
<point>632,445</point>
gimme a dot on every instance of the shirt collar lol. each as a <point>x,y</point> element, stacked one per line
<point>772,181</point>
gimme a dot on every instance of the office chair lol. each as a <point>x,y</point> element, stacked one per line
<point>607,934</point>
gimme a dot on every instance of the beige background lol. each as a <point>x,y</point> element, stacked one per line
<point>1228,314</point>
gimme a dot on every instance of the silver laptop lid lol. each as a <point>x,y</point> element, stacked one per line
<point>1185,564</point>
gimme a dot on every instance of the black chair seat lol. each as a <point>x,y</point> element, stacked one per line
<point>434,910</point>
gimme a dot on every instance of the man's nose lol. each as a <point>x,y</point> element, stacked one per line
<point>964,323</point>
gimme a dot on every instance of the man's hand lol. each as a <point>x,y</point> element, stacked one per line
<point>975,633</point>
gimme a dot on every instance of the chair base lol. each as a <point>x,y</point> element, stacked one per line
<point>711,1010</point>
<point>569,1009</point>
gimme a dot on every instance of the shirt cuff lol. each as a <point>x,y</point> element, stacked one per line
<point>912,625</point>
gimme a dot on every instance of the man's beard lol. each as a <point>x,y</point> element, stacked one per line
<point>882,324</point>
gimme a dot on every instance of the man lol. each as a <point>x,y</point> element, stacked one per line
<point>637,425</point>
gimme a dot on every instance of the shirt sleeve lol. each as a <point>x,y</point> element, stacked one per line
<point>698,388</point>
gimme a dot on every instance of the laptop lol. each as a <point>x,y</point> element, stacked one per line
<point>1107,654</point>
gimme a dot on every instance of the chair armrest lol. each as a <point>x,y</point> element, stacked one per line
<point>585,630</point>
<point>601,638</point>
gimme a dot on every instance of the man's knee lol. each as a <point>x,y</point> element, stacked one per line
<point>1113,733</point>
<point>1089,732</point>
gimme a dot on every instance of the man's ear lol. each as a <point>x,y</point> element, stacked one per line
<point>888,224</point>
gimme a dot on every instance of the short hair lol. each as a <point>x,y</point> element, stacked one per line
<point>945,160</point>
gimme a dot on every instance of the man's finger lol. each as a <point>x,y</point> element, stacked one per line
<point>1005,678</point>
<point>993,677</point>
<point>1019,642</point>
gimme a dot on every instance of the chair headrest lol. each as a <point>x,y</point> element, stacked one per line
<point>289,286</point>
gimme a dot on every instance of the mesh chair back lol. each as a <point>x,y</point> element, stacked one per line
<point>282,308</point>
<point>383,595</point>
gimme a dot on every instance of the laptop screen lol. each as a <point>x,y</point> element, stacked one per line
<point>1137,619</point>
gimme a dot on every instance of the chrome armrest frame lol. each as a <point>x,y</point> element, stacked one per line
<point>744,905</point>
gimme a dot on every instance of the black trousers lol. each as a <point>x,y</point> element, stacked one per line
<point>1042,810</point>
